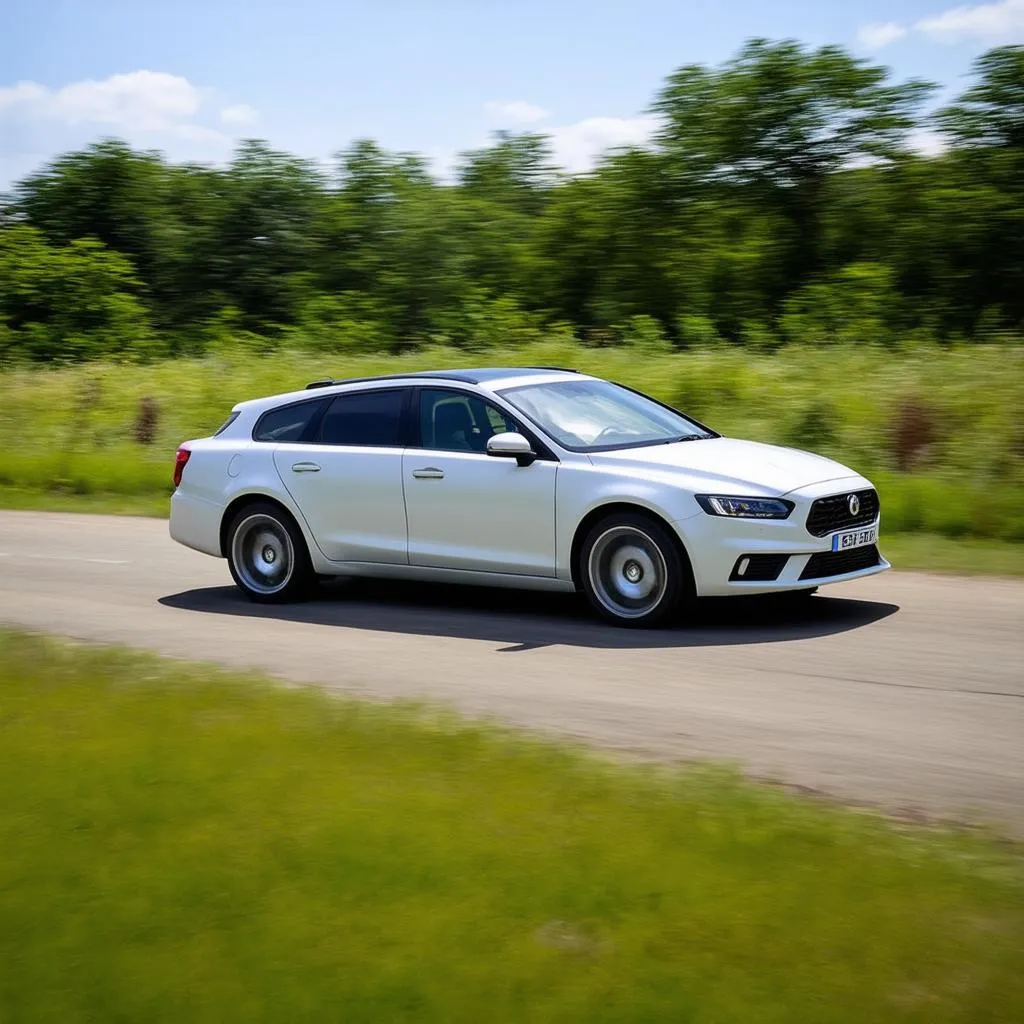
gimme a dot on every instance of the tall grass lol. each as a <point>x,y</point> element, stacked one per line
<point>940,429</point>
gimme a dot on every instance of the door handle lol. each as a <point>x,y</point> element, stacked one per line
<point>430,473</point>
<point>305,467</point>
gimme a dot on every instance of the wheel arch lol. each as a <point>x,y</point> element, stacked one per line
<point>253,498</point>
<point>606,509</point>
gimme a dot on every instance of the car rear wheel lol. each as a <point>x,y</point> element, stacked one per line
<point>632,571</point>
<point>267,555</point>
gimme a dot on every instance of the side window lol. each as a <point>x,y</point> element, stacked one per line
<point>369,418</point>
<point>450,421</point>
<point>287,423</point>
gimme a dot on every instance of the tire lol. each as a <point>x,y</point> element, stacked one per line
<point>633,572</point>
<point>267,555</point>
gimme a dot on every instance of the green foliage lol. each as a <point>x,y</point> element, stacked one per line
<point>780,116</point>
<point>179,843</point>
<point>644,334</point>
<point>991,113</point>
<point>780,201</point>
<point>854,306</point>
<point>64,303</point>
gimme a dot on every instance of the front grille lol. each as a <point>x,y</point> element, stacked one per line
<point>837,563</point>
<point>833,513</point>
<point>759,568</point>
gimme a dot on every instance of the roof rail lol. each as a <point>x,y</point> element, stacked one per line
<point>463,376</point>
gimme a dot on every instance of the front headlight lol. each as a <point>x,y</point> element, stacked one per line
<point>744,508</point>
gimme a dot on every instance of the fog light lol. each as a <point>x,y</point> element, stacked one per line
<point>741,569</point>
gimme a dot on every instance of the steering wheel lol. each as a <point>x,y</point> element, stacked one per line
<point>607,430</point>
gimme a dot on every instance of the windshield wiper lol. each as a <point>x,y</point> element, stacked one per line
<point>687,437</point>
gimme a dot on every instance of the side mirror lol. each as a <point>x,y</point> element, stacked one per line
<point>511,446</point>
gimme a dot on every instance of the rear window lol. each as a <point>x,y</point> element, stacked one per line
<point>288,423</point>
<point>370,418</point>
<point>227,423</point>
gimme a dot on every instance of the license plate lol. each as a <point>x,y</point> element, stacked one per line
<point>854,538</point>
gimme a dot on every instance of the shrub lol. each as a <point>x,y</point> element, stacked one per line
<point>814,426</point>
<point>69,303</point>
<point>914,432</point>
<point>645,334</point>
<point>144,429</point>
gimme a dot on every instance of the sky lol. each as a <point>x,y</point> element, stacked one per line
<point>437,77</point>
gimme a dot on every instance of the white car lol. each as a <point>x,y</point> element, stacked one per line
<point>532,477</point>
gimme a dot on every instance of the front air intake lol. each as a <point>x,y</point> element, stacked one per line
<point>758,568</point>
<point>838,563</point>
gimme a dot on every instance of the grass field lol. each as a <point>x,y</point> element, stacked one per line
<point>179,844</point>
<point>937,429</point>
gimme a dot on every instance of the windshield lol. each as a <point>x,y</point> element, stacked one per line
<point>595,415</point>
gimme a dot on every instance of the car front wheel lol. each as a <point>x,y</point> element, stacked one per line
<point>632,572</point>
<point>267,555</point>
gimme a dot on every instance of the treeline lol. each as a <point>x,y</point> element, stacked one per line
<point>784,198</point>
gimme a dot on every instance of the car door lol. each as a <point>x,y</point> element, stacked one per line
<point>467,509</point>
<point>347,477</point>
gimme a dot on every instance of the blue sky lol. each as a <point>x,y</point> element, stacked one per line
<point>190,77</point>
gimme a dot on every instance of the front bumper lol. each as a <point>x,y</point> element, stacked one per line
<point>716,543</point>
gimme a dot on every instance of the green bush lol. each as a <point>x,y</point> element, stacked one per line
<point>68,303</point>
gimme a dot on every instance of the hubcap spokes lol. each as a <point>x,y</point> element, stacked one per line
<point>627,572</point>
<point>263,555</point>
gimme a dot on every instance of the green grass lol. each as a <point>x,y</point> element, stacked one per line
<point>969,556</point>
<point>180,844</point>
<point>70,431</point>
<point>63,501</point>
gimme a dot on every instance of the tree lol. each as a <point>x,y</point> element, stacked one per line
<point>778,180</point>
<point>769,127</point>
<point>991,113</point>
<point>67,303</point>
<point>108,192</point>
<point>516,172</point>
<point>267,234</point>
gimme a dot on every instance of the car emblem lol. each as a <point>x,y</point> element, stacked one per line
<point>853,504</point>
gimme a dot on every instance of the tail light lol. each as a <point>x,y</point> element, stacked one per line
<point>179,464</point>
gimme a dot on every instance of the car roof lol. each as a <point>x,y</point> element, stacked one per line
<point>480,375</point>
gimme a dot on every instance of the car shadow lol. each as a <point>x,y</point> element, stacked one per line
<point>527,620</point>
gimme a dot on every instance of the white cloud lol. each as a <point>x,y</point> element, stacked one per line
<point>879,34</point>
<point>137,105</point>
<point>240,113</point>
<point>575,147</point>
<point>927,142</point>
<point>145,108</point>
<point>578,146</point>
<point>1001,22</point>
<point>516,111</point>
<point>19,94</point>
<point>140,100</point>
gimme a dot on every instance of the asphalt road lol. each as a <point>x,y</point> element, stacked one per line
<point>904,691</point>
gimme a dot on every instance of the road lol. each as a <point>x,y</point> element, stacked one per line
<point>905,691</point>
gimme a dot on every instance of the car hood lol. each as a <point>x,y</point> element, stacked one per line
<point>729,462</point>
